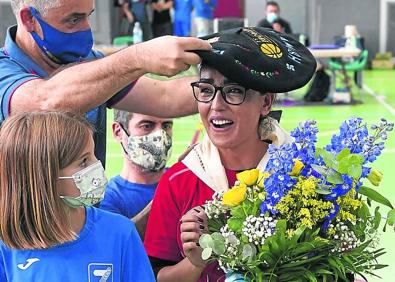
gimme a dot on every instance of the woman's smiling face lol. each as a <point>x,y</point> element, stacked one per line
<point>231,126</point>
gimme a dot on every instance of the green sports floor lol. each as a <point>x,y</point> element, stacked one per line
<point>378,99</point>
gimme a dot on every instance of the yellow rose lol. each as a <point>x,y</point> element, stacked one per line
<point>235,196</point>
<point>261,179</point>
<point>298,165</point>
<point>248,177</point>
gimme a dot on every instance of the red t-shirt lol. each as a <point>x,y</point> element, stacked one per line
<point>178,191</point>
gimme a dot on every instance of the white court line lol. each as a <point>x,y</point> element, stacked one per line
<point>380,99</point>
<point>327,133</point>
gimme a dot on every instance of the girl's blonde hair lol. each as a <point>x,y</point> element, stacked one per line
<point>33,148</point>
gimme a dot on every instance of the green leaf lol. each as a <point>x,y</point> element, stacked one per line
<point>391,217</point>
<point>217,236</point>
<point>206,254</point>
<point>322,191</point>
<point>355,171</point>
<point>363,212</point>
<point>320,169</point>
<point>343,153</point>
<point>343,167</point>
<point>219,243</point>
<point>281,226</point>
<point>328,158</point>
<point>268,258</point>
<point>219,247</point>
<point>351,165</point>
<point>298,232</point>
<point>237,212</point>
<point>206,241</point>
<point>335,263</point>
<point>380,266</point>
<point>356,159</point>
<point>300,262</point>
<point>235,224</point>
<point>274,247</point>
<point>377,218</point>
<point>334,177</point>
<point>310,276</point>
<point>249,251</point>
<point>324,271</point>
<point>375,196</point>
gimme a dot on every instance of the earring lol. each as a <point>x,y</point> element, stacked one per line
<point>266,128</point>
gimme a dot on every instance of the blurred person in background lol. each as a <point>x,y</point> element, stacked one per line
<point>277,26</point>
<point>161,21</point>
<point>203,16</point>
<point>182,17</point>
<point>136,11</point>
<point>273,16</point>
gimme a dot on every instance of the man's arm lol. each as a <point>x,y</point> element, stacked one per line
<point>169,98</point>
<point>84,86</point>
<point>125,9</point>
<point>168,5</point>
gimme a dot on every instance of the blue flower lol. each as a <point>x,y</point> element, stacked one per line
<point>281,158</point>
<point>332,213</point>
<point>277,186</point>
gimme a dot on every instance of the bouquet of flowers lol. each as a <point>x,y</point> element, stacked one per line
<point>307,217</point>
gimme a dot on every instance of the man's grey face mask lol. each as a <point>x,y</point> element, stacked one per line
<point>149,152</point>
<point>91,181</point>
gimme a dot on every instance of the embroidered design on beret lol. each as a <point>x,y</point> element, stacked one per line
<point>259,58</point>
<point>268,46</point>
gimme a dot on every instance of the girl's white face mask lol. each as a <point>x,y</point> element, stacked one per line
<point>91,181</point>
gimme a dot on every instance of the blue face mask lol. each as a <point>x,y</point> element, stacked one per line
<point>62,47</point>
<point>271,17</point>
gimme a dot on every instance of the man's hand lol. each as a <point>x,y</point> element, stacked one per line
<point>193,224</point>
<point>169,55</point>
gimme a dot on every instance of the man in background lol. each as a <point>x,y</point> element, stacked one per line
<point>146,142</point>
<point>161,21</point>
<point>273,16</point>
<point>204,10</point>
<point>182,17</point>
<point>136,11</point>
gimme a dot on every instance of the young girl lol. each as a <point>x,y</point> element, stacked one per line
<point>49,179</point>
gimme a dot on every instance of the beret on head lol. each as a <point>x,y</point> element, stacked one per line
<point>260,59</point>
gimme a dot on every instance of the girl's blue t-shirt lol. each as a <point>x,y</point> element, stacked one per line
<point>108,248</point>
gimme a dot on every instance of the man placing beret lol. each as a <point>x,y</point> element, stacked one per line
<point>50,34</point>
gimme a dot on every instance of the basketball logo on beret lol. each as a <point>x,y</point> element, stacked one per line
<point>272,50</point>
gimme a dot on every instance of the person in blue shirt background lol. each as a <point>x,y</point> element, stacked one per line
<point>203,18</point>
<point>136,11</point>
<point>41,68</point>
<point>49,230</point>
<point>146,142</point>
<point>182,17</point>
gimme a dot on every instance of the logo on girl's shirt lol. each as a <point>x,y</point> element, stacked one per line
<point>100,272</point>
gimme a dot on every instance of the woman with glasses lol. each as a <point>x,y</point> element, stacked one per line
<point>234,95</point>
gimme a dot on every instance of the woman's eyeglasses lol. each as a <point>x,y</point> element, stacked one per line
<point>205,92</point>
